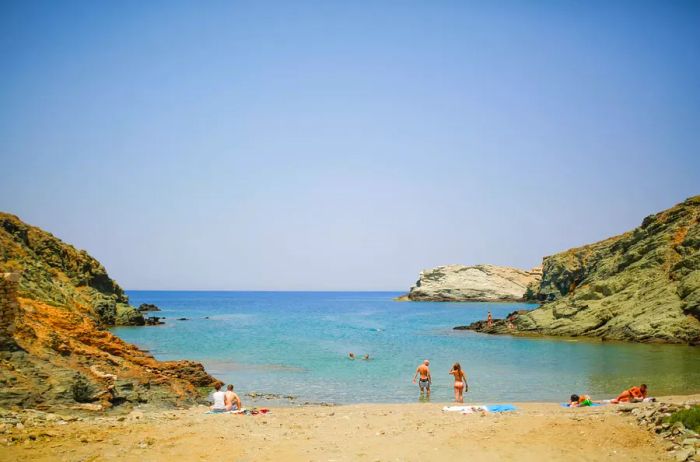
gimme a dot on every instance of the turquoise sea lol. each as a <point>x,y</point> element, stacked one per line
<point>297,343</point>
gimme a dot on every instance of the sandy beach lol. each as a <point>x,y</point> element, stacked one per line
<point>415,431</point>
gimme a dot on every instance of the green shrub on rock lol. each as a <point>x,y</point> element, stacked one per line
<point>690,418</point>
<point>129,316</point>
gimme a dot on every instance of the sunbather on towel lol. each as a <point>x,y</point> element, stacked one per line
<point>580,401</point>
<point>231,399</point>
<point>218,398</point>
<point>632,395</point>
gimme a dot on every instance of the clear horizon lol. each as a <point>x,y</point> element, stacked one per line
<point>313,146</point>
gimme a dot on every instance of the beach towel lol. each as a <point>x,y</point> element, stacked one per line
<point>501,408</point>
<point>219,411</point>
<point>465,409</point>
<point>472,409</point>
<point>589,405</point>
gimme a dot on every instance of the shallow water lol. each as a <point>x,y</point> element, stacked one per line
<point>296,343</point>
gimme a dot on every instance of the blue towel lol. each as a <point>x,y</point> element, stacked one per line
<point>501,408</point>
<point>592,405</point>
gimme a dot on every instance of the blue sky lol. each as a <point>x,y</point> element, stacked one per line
<point>342,145</point>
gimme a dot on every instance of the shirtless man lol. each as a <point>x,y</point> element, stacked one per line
<point>632,395</point>
<point>231,400</point>
<point>424,382</point>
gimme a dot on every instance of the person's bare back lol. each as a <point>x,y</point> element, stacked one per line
<point>231,399</point>
<point>424,382</point>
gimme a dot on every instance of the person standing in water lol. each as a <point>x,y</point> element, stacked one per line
<point>424,382</point>
<point>460,382</point>
<point>489,320</point>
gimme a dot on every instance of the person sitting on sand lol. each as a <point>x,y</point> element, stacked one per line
<point>489,320</point>
<point>580,401</point>
<point>218,398</point>
<point>231,399</point>
<point>632,395</point>
<point>425,380</point>
<point>460,382</point>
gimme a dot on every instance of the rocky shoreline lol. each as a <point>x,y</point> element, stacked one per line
<point>56,303</point>
<point>640,286</point>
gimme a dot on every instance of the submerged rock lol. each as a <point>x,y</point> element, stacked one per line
<point>488,283</point>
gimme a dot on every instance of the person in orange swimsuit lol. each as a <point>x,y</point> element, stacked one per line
<point>633,394</point>
<point>460,382</point>
<point>489,320</point>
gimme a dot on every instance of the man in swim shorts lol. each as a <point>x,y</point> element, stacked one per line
<point>424,381</point>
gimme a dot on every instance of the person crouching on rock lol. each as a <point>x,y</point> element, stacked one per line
<point>231,399</point>
<point>219,398</point>
<point>632,395</point>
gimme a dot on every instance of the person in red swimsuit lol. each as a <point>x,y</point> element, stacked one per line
<point>632,395</point>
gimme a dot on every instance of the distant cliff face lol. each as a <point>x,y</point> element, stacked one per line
<point>488,283</point>
<point>55,301</point>
<point>643,285</point>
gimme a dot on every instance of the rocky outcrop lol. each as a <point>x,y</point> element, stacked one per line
<point>55,303</point>
<point>643,285</point>
<point>488,283</point>
<point>148,307</point>
<point>59,274</point>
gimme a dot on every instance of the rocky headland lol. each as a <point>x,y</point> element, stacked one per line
<point>479,283</point>
<point>56,303</point>
<point>643,285</point>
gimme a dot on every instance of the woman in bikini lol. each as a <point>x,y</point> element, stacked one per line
<point>460,382</point>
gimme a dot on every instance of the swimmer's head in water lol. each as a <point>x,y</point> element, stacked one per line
<point>574,398</point>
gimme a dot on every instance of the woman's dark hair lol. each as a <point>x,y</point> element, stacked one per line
<point>456,367</point>
<point>574,398</point>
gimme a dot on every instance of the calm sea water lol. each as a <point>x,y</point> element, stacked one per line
<point>296,343</point>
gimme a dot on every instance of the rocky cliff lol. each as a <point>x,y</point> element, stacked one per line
<point>489,283</point>
<point>55,303</point>
<point>643,285</point>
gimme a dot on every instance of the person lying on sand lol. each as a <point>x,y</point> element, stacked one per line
<point>218,398</point>
<point>231,399</point>
<point>632,395</point>
<point>580,401</point>
<point>425,380</point>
